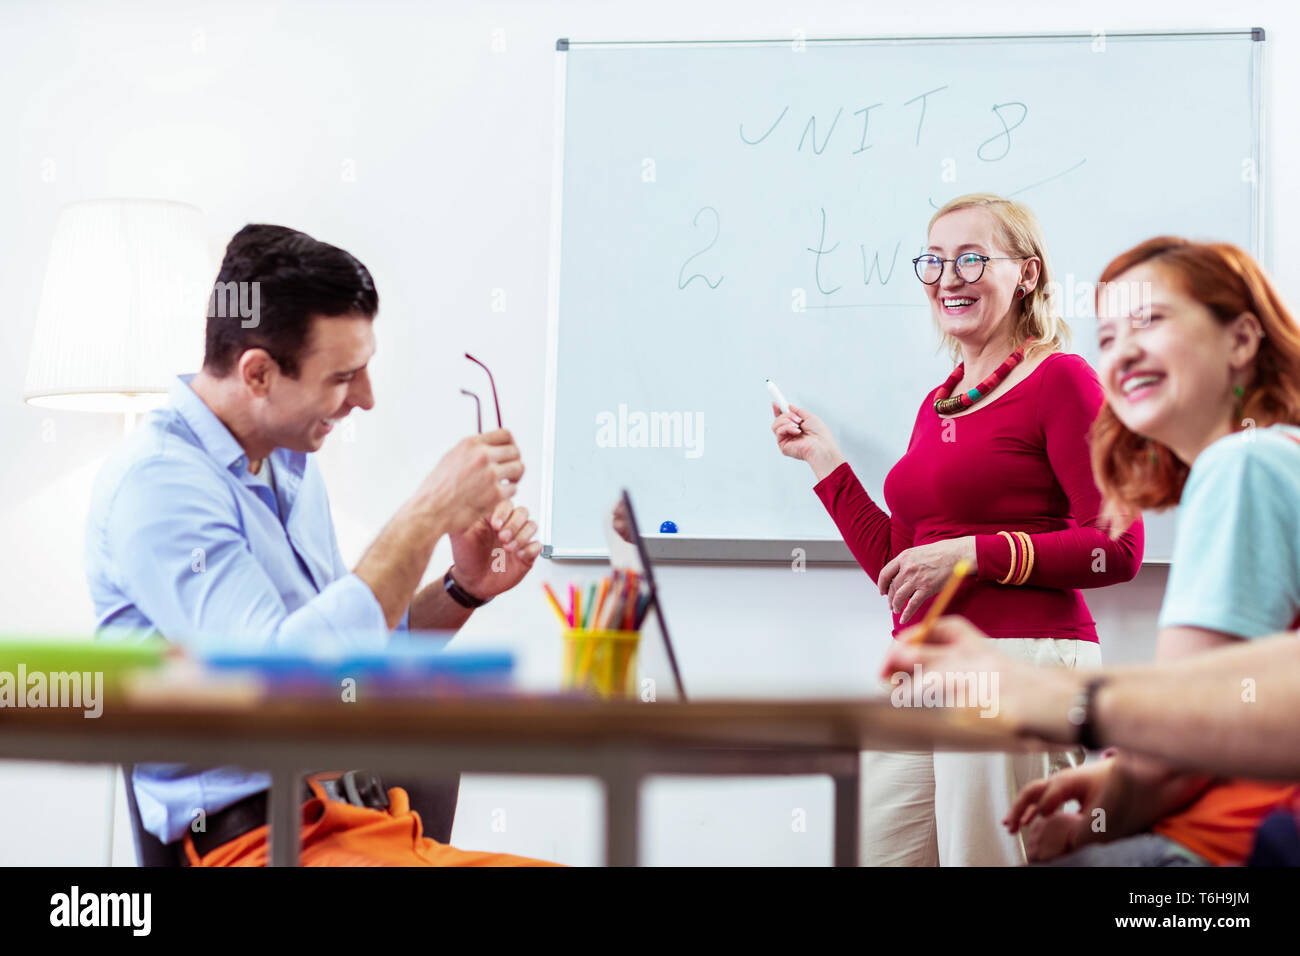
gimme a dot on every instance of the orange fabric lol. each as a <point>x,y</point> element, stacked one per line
<point>339,834</point>
<point>1220,824</point>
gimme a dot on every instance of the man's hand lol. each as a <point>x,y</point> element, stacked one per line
<point>476,477</point>
<point>495,553</point>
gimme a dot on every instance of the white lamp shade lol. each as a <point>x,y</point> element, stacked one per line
<point>123,306</point>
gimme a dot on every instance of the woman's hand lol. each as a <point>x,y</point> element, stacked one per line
<point>1049,837</point>
<point>920,573</point>
<point>1050,831</point>
<point>1104,791</point>
<point>802,435</point>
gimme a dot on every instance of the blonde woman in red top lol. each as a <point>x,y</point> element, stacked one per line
<point>997,473</point>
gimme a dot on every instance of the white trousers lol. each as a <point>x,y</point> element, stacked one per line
<point>946,809</point>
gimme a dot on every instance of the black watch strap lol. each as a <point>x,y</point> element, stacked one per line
<point>1083,714</point>
<point>459,594</point>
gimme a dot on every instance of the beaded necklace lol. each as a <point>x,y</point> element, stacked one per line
<point>943,405</point>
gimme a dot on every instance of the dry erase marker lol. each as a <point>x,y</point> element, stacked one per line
<point>779,399</point>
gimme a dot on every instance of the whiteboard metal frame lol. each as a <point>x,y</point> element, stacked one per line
<point>1255,33</point>
<point>553,309</point>
<point>1263,250</point>
<point>727,550</point>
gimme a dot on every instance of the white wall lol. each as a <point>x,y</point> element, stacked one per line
<point>258,112</point>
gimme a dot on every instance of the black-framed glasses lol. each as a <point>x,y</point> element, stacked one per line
<point>478,405</point>
<point>969,266</point>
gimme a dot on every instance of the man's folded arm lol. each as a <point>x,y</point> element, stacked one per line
<point>180,554</point>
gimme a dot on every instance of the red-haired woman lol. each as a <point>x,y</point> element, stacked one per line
<point>1201,365</point>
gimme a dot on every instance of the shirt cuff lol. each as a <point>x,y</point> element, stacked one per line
<point>992,557</point>
<point>841,474</point>
<point>346,613</point>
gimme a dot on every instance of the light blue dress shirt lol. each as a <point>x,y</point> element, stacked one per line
<point>184,542</point>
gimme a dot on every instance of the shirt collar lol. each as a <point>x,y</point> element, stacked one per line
<point>216,438</point>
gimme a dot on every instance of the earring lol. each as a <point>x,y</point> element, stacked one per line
<point>1020,292</point>
<point>1240,408</point>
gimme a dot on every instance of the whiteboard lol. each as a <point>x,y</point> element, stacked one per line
<point>727,212</point>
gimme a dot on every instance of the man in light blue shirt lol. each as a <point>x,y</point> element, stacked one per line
<point>211,525</point>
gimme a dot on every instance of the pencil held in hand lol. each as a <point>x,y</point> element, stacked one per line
<point>959,571</point>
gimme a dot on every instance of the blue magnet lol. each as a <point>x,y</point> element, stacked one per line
<point>668,527</point>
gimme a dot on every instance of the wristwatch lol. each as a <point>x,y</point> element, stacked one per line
<point>1083,714</point>
<point>459,594</point>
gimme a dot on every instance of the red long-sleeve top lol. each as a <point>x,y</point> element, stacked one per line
<point>1020,463</point>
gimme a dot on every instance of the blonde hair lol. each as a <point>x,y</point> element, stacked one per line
<point>1020,234</point>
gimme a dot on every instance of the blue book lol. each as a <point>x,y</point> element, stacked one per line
<point>419,666</point>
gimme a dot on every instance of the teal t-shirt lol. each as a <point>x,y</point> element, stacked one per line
<point>1236,561</point>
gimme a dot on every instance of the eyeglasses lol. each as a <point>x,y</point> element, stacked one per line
<point>478,406</point>
<point>969,266</point>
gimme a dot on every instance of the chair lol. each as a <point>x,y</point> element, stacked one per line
<point>149,850</point>
<point>434,799</point>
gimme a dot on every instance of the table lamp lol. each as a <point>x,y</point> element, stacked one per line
<point>122,308</point>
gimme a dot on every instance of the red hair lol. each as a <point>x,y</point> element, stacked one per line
<point>1133,472</point>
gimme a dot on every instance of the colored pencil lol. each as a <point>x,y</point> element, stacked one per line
<point>641,607</point>
<point>629,608</point>
<point>612,608</point>
<point>600,603</point>
<point>555,602</point>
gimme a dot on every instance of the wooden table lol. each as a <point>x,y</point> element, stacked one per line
<point>620,742</point>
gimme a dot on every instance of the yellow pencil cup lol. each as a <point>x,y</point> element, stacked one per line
<point>602,663</point>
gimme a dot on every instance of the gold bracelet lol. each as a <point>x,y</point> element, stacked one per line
<point>1029,557</point>
<point>1015,557</point>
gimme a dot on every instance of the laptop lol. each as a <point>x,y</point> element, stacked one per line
<point>627,552</point>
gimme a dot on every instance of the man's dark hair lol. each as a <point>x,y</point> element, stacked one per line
<point>297,277</point>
